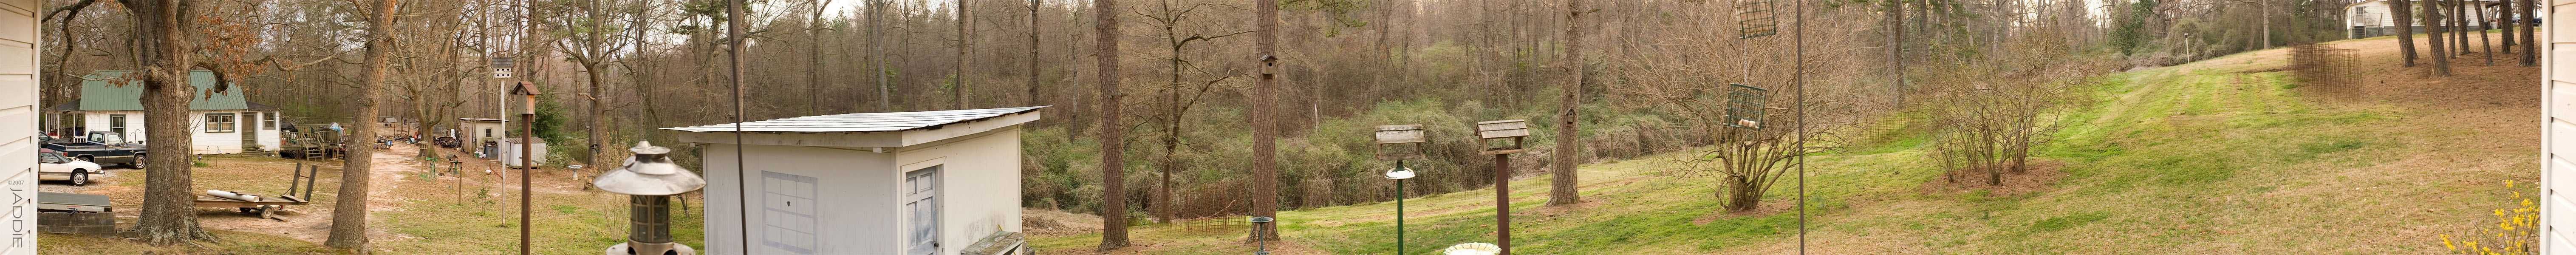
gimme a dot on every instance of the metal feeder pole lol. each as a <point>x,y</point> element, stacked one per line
<point>1399,210</point>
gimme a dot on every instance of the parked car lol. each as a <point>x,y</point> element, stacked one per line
<point>101,147</point>
<point>51,165</point>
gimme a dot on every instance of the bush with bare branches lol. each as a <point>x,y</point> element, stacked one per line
<point>1989,114</point>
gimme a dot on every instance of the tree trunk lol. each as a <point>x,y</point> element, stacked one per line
<point>1896,54</point>
<point>1561,188</point>
<point>813,60</point>
<point>2441,63</point>
<point>1265,166</point>
<point>2405,30</point>
<point>349,216</point>
<point>2460,26</point>
<point>593,67</point>
<point>876,51</point>
<point>2504,20</point>
<point>1034,6</point>
<point>168,215</point>
<point>960,74</point>
<point>1113,173</point>
<point>2485,44</point>
<point>2530,41</point>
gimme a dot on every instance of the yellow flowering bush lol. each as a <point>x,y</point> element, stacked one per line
<point>2516,230</point>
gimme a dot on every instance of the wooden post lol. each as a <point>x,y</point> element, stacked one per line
<point>1503,202</point>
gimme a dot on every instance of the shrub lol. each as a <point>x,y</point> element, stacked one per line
<point>2515,230</point>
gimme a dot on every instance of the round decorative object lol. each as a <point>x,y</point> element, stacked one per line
<point>1399,173</point>
<point>1259,219</point>
<point>1472,249</point>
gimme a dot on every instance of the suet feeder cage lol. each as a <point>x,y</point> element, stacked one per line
<point>1755,19</point>
<point>1744,106</point>
<point>1399,142</point>
<point>1502,136</point>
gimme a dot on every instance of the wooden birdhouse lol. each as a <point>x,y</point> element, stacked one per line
<point>528,90</point>
<point>1502,136</point>
<point>1399,142</point>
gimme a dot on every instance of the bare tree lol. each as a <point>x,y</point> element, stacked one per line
<point>589,43</point>
<point>349,216</point>
<point>1113,136</point>
<point>1179,97</point>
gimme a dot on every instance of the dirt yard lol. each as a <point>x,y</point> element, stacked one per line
<point>399,168</point>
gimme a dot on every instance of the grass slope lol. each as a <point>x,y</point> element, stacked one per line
<point>2220,156</point>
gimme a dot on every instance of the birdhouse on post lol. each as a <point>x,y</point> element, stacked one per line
<point>528,90</point>
<point>1399,142</point>
<point>1502,136</point>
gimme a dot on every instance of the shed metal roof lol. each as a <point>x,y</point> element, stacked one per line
<point>98,95</point>
<point>864,122</point>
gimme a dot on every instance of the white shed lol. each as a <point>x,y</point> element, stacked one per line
<point>476,131</point>
<point>930,182</point>
<point>510,151</point>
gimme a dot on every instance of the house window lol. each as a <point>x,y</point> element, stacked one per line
<point>268,121</point>
<point>219,122</point>
<point>116,123</point>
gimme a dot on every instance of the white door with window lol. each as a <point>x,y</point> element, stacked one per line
<point>921,210</point>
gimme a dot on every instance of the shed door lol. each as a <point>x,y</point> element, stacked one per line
<point>921,203</point>
<point>787,214</point>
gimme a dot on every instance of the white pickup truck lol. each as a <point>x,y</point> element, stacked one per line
<point>51,165</point>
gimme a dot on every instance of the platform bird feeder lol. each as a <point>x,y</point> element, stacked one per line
<point>1399,142</point>
<point>1502,136</point>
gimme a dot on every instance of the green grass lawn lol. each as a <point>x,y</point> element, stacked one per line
<point>2213,157</point>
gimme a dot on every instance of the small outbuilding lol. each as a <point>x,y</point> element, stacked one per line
<point>510,151</point>
<point>220,122</point>
<point>934,182</point>
<point>2374,18</point>
<point>476,132</point>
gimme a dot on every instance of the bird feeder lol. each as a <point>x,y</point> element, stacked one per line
<point>1502,136</point>
<point>1399,142</point>
<point>1744,106</point>
<point>1755,19</point>
<point>651,179</point>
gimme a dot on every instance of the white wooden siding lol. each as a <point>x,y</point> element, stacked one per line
<point>2558,136</point>
<point>18,79</point>
<point>204,143</point>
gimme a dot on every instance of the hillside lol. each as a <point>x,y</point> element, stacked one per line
<point>2226,155</point>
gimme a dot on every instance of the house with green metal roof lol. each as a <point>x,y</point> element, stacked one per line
<point>223,122</point>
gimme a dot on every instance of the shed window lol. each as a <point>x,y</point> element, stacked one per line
<point>116,123</point>
<point>268,121</point>
<point>219,122</point>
